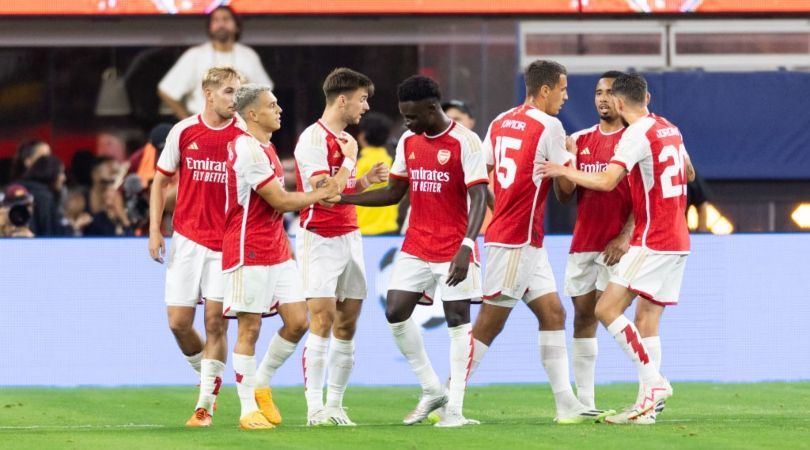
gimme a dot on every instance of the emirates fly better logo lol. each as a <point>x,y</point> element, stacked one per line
<point>443,156</point>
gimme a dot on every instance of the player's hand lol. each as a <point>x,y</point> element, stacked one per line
<point>459,266</point>
<point>327,188</point>
<point>548,169</point>
<point>571,145</point>
<point>377,174</point>
<point>348,146</point>
<point>157,247</point>
<point>330,202</point>
<point>615,249</point>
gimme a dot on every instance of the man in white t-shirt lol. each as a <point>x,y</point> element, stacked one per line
<point>179,88</point>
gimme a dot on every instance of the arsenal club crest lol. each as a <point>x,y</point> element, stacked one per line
<point>443,156</point>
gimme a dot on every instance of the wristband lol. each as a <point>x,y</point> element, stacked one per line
<point>467,242</point>
<point>348,164</point>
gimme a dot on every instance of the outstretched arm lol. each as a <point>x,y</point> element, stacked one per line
<point>599,181</point>
<point>284,201</point>
<point>389,195</point>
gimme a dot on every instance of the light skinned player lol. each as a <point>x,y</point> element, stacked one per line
<point>329,246</point>
<point>651,153</point>
<point>517,262</point>
<point>601,233</point>
<point>440,164</point>
<point>261,276</point>
<point>196,152</point>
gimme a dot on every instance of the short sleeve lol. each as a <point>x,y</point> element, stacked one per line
<point>170,156</point>
<point>630,151</point>
<point>179,80</point>
<point>551,146</point>
<point>486,147</point>
<point>472,160</point>
<point>311,160</point>
<point>252,164</point>
<point>398,168</point>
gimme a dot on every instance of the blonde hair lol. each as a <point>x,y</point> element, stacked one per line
<point>216,75</point>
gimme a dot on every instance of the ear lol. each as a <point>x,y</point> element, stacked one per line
<point>648,99</point>
<point>544,91</point>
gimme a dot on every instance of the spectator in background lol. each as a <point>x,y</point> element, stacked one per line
<point>44,180</point>
<point>104,202</point>
<point>144,160</point>
<point>460,112</point>
<point>180,88</point>
<point>80,167</point>
<point>16,209</point>
<point>373,133</point>
<point>28,152</point>
<point>111,144</point>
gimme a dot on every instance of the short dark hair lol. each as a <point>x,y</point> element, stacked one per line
<point>45,170</point>
<point>459,105</point>
<point>344,80</point>
<point>24,151</point>
<point>376,127</point>
<point>542,73</point>
<point>236,19</point>
<point>418,87</point>
<point>612,74</point>
<point>631,86</point>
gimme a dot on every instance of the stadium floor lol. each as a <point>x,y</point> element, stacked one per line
<point>700,415</point>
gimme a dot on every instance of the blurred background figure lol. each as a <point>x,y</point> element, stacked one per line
<point>27,152</point>
<point>180,89</point>
<point>16,210</point>
<point>373,132</point>
<point>460,112</point>
<point>45,180</point>
<point>104,203</point>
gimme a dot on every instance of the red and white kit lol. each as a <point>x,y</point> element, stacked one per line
<point>328,245</point>
<point>197,153</point>
<point>259,270</point>
<point>439,170</point>
<point>600,215</point>
<point>653,153</point>
<point>517,263</point>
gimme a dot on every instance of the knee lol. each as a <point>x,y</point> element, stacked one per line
<point>486,332</point>
<point>646,326</point>
<point>180,325</point>
<point>249,330</point>
<point>394,314</point>
<point>553,317</point>
<point>322,320</point>
<point>603,312</point>
<point>298,327</point>
<point>216,328</point>
<point>584,318</point>
<point>455,318</point>
<point>345,330</point>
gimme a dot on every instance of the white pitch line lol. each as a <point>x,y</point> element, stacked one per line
<point>82,427</point>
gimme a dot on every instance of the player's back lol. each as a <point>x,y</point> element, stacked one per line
<point>198,154</point>
<point>254,230</point>
<point>515,141</point>
<point>652,149</point>
<point>600,215</point>
<point>318,152</point>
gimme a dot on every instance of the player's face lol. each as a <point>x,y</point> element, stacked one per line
<point>356,104</point>
<point>557,96</point>
<point>223,97</point>
<point>268,115</point>
<point>461,117</point>
<point>223,27</point>
<point>417,115</point>
<point>604,100</point>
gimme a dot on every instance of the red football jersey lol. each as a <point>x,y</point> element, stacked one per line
<point>198,153</point>
<point>652,151</point>
<point>317,152</point>
<point>516,139</point>
<point>254,231</point>
<point>600,215</point>
<point>439,169</point>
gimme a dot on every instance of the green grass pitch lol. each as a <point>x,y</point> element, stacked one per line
<point>700,415</point>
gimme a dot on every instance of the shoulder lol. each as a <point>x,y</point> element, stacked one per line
<point>185,124</point>
<point>245,50</point>
<point>584,132</point>
<point>549,123</point>
<point>406,136</point>
<point>639,129</point>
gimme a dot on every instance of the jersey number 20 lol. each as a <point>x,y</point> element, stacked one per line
<point>670,185</point>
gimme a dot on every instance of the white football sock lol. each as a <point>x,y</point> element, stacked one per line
<point>479,350</point>
<point>461,357</point>
<point>195,361</point>
<point>278,352</point>
<point>314,361</point>
<point>626,334</point>
<point>341,362</point>
<point>210,381</point>
<point>409,340</point>
<point>245,368</point>
<point>653,344</point>
<point>554,357</point>
<point>583,360</point>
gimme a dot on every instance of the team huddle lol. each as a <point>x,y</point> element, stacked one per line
<point>230,251</point>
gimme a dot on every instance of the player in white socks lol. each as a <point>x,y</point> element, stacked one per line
<point>440,164</point>
<point>651,153</point>
<point>261,278</point>
<point>329,246</point>
<point>196,150</point>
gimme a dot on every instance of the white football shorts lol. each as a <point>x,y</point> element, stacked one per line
<point>193,272</point>
<point>331,266</point>
<point>260,289</point>
<point>656,277</point>
<point>517,273</point>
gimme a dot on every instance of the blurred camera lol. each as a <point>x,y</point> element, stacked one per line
<point>20,205</point>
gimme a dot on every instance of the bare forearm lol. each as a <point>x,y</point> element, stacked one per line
<point>478,207</point>
<point>157,200</point>
<point>627,229</point>
<point>561,190</point>
<point>293,201</point>
<point>599,181</point>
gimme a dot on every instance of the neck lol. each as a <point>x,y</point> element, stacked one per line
<point>223,46</point>
<point>260,134</point>
<point>609,126</point>
<point>333,119</point>
<point>537,102</point>
<point>439,126</point>
<point>212,119</point>
<point>635,114</point>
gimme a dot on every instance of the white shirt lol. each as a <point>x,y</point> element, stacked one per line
<point>184,79</point>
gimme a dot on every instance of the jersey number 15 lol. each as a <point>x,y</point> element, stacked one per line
<point>506,166</point>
